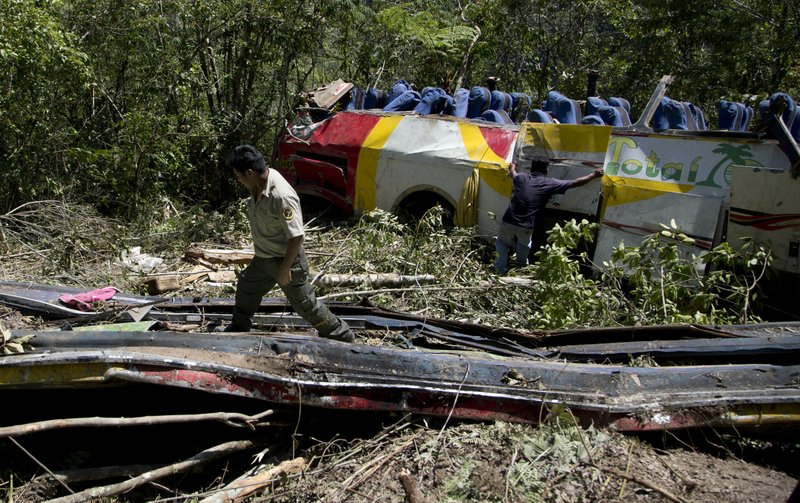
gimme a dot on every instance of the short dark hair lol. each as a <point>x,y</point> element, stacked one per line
<point>539,166</point>
<point>246,157</point>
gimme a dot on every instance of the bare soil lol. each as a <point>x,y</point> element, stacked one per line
<point>511,462</point>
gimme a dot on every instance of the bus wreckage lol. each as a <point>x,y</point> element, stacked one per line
<point>715,185</point>
<point>744,376</point>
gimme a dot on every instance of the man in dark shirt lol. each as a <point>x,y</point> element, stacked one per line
<point>531,191</point>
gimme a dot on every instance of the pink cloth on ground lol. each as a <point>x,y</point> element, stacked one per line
<point>84,301</point>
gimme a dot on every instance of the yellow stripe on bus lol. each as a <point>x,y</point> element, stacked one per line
<point>493,169</point>
<point>567,137</point>
<point>619,190</point>
<point>368,162</point>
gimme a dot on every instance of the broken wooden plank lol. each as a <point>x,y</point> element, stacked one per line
<point>243,487</point>
<point>220,256</point>
<point>131,326</point>
<point>161,284</point>
<point>226,276</point>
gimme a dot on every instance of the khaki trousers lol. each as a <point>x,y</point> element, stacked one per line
<point>259,277</point>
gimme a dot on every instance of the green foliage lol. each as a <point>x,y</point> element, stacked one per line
<point>425,43</point>
<point>668,284</point>
<point>120,105</point>
<point>552,449</point>
<point>562,296</point>
<point>655,283</point>
<point>43,76</point>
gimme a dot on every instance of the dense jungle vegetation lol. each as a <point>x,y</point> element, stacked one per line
<point>121,104</point>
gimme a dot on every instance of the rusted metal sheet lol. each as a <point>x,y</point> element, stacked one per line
<point>770,349</point>
<point>317,372</point>
<point>743,376</point>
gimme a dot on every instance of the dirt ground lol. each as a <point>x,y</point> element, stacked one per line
<point>510,462</point>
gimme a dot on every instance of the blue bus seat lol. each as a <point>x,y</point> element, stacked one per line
<point>374,98</point>
<point>614,116</point>
<point>699,118</point>
<point>432,101</point>
<point>731,115</point>
<point>403,103</point>
<point>565,110</point>
<point>748,116</point>
<point>497,117</point>
<point>478,102</point>
<point>620,102</point>
<point>691,123</point>
<point>356,99</point>
<point>457,107</point>
<point>660,120</point>
<point>500,101</point>
<point>675,113</point>
<point>593,103</point>
<point>538,115</point>
<point>790,112</point>
<point>397,89</point>
<point>593,120</point>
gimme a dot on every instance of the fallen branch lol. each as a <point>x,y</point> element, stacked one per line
<point>382,279</point>
<point>482,287</point>
<point>98,473</point>
<point>243,487</point>
<point>147,477</point>
<point>230,418</point>
<point>41,465</point>
<point>641,482</point>
<point>367,469</point>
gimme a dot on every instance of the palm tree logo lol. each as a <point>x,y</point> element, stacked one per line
<point>732,154</point>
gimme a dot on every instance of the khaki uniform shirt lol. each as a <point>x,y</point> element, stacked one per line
<point>275,217</point>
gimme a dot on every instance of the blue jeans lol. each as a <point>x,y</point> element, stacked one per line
<point>505,240</point>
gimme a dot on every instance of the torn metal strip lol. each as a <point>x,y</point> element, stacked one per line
<point>329,374</point>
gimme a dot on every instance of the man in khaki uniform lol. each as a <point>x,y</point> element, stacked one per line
<point>276,224</point>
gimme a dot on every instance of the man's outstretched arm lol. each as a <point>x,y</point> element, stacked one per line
<point>586,179</point>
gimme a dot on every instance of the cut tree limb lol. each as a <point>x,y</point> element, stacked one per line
<point>230,418</point>
<point>147,477</point>
<point>243,487</point>
<point>367,293</point>
<point>642,482</point>
<point>381,279</point>
<point>96,473</point>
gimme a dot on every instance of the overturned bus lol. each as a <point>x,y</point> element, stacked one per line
<point>716,185</point>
